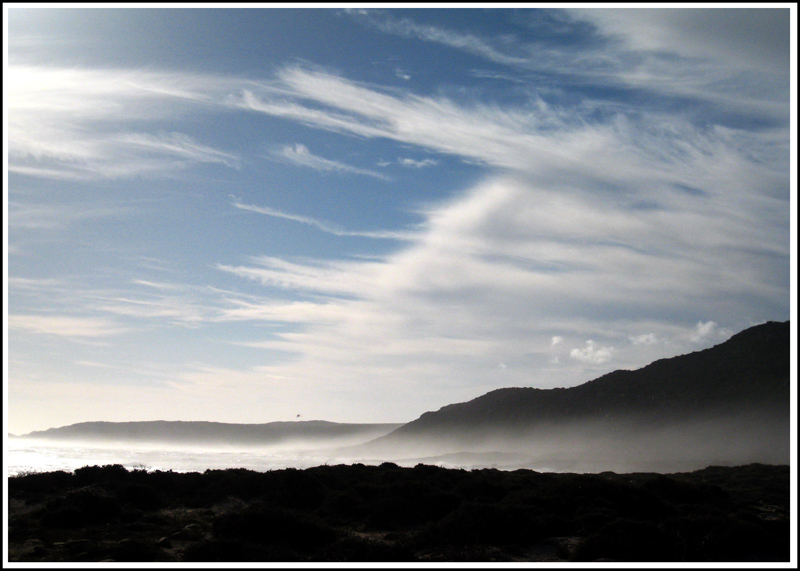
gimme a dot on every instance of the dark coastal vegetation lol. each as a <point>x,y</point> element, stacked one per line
<point>351,513</point>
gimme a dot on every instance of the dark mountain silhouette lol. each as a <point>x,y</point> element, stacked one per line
<point>185,432</point>
<point>729,401</point>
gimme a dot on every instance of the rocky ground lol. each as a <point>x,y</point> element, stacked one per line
<point>388,513</point>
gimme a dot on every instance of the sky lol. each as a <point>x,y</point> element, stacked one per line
<point>263,214</point>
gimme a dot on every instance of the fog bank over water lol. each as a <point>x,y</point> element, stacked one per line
<point>595,446</point>
<point>188,446</point>
<point>589,448</point>
<point>38,455</point>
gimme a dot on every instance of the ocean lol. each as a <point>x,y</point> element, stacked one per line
<point>23,455</point>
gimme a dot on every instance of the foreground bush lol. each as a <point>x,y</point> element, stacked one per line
<point>387,513</point>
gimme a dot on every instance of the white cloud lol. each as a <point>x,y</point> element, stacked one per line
<point>605,221</point>
<point>495,272</point>
<point>499,137</point>
<point>407,162</point>
<point>300,155</point>
<point>24,216</point>
<point>332,278</point>
<point>324,226</point>
<point>174,309</point>
<point>179,145</point>
<point>697,53</point>
<point>645,156</point>
<point>94,364</point>
<point>746,37</point>
<point>708,331</point>
<point>406,27</point>
<point>735,59</point>
<point>64,326</point>
<point>146,305</point>
<point>592,353</point>
<point>82,124</point>
<point>296,312</point>
<point>645,339</point>
<point>34,284</point>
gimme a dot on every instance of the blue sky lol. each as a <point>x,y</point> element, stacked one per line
<point>242,215</point>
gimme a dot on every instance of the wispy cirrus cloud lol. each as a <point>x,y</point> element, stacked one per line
<point>544,140</point>
<point>413,163</point>
<point>335,278</point>
<point>409,28</point>
<point>737,62</point>
<point>177,310</point>
<point>178,145</point>
<point>140,303</point>
<point>326,227</point>
<point>65,326</point>
<point>27,216</point>
<point>499,137</point>
<point>608,213</point>
<point>504,270</point>
<point>84,124</point>
<point>94,365</point>
<point>757,41</point>
<point>300,155</point>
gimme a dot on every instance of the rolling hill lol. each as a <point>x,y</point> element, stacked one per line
<point>194,432</point>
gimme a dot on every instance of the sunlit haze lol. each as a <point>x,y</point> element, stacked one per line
<point>360,215</point>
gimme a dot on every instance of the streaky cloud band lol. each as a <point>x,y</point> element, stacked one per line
<point>326,226</point>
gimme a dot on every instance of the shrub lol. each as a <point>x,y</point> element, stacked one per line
<point>234,551</point>
<point>40,481</point>
<point>264,525</point>
<point>140,496</point>
<point>137,550</point>
<point>676,491</point>
<point>358,549</point>
<point>395,512</point>
<point>344,506</point>
<point>477,523</point>
<point>100,474</point>
<point>626,540</point>
<point>715,538</point>
<point>84,507</point>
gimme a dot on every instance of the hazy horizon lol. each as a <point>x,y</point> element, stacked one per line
<point>568,446</point>
<point>361,215</point>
